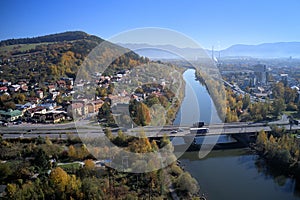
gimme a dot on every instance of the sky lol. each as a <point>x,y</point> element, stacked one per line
<point>218,23</point>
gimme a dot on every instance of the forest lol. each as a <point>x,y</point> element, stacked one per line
<point>50,169</point>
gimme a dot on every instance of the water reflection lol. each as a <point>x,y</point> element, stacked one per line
<point>281,177</point>
<point>239,174</point>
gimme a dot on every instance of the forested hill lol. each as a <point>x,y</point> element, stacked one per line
<point>59,37</point>
<point>48,58</point>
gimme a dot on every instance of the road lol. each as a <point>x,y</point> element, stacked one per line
<point>84,128</point>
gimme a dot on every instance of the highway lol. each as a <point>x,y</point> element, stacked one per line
<point>85,128</point>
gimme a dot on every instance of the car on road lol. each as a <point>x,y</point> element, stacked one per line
<point>3,123</point>
<point>174,131</point>
<point>17,122</point>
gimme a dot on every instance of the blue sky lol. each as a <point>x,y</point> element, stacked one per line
<point>220,23</point>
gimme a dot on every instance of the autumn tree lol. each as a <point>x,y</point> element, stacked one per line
<point>142,114</point>
<point>278,90</point>
<point>262,139</point>
<point>72,152</point>
<point>89,164</point>
<point>59,178</point>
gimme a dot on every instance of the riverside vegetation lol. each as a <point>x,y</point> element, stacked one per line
<point>46,169</point>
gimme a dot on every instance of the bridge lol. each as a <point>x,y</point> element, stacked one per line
<point>94,130</point>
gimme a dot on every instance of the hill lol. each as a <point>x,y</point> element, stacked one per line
<point>58,37</point>
<point>47,58</point>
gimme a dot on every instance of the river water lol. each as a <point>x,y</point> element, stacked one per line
<point>228,174</point>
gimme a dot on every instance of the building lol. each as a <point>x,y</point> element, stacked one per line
<point>94,106</point>
<point>39,94</point>
<point>284,79</point>
<point>49,117</point>
<point>260,72</point>
<point>11,115</point>
<point>77,109</point>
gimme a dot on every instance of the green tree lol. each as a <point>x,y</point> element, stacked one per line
<point>278,106</point>
<point>278,90</point>
<point>41,160</point>
<point>104,111</point>
<point>5,171</point>
<point>186,183</point>
<point>289,95</point>
<point>246,101</point>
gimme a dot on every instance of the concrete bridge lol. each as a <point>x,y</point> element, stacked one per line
<point>94,130</point>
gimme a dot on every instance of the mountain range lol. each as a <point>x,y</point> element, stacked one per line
<point>265,50</point>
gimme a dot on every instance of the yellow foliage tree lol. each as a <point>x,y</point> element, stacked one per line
<point>72,152</point>
<point>89,164</point>
<point>60,179</point>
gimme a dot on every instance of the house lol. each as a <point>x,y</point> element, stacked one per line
<point>30,112</point>
<point>4,82</point>
<point>69,81</point>
<point>3,89</point>
<point>10,115</point>
<point>49,117</point>
<point>39,94</point>
<point>48,105</point>
<point>51,88</point>
<point>54,94</point>
<point>61,84</point>
<point>94,106</point>
<point>55,116</point>
<point>24,88</point>
<point>34,100</point>
<point>14,88</point>
<point>77,109</point>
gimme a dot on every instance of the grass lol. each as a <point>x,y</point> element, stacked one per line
<point>289,112</point>
<point>20,47</point>
<point>70,166</point>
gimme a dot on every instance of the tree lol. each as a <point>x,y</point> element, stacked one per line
<point>19,98</point>
<point>72,152</point>
<point>5,171</point>
<point>102,92</point>
<point>104,111</point>
<point>246,101</point>
<point>141,145</point>
<point>110,88</point>
<point>152,100</point>
<point>186,183</point>
<point>89,164</point>
<point>41,160</point>
<point>262,139</point>
<point>10,105</point>
<point>59,99</point>
<point>278,90</point>
<point>143,114</point>
<point>59,178</point>
<point>278,106</point>
<point>11,190</point>
<point>289,95</point>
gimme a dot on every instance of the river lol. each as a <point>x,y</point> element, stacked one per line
<point>228,174</point>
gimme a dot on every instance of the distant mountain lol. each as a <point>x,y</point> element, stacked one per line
<point>156,52</point>
<point>266,50</point>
